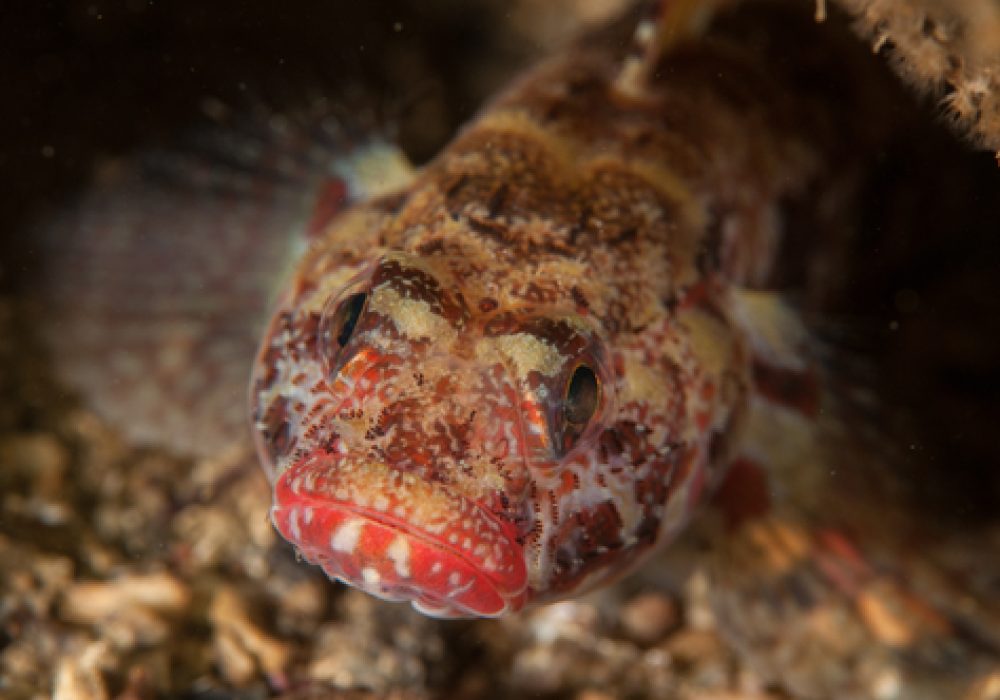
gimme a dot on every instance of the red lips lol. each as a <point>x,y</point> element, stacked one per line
<point>400,538</point>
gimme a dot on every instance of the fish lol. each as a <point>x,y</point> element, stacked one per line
<point>516,373</point>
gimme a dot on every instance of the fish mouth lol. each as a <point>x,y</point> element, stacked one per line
<point>399,537</point>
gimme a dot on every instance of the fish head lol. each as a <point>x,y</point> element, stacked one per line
<point>427,442</point>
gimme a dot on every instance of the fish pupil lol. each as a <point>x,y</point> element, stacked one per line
<point>347,317</point>
<point>582,394</point>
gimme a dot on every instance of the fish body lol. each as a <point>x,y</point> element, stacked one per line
<point>518,375</point>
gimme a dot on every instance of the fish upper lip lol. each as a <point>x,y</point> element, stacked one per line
<point>312,481</point>
<point>404,527</point>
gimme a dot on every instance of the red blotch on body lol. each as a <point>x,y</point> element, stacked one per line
<point>795,389</point>
<point>744,494</point>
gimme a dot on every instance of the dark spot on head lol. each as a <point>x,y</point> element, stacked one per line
<point>487,304</point>
<point>435,246</point>
<point>452,187</point>
<point>627,234</point>
<point>496,200</point>
<point>502,324</point>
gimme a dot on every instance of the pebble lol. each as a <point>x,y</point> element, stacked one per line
<point>648,617</point>
<point>79,674</point>
<point>241,645</point>
<point>129,611</point>
<point>93,601</point>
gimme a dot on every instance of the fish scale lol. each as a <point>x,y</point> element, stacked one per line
<point>513,375</point>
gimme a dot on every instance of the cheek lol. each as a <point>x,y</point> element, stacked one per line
<point>500,424</point>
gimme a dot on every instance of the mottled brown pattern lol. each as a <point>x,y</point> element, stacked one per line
<point>577,223</point>
<point>580,234</point>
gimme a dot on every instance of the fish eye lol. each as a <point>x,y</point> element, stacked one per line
<point>345,318</point>
<point>580,401</point>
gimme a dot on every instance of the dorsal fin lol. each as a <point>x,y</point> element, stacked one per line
<point>664,24</point>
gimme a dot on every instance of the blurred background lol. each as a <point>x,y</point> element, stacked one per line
<point>83,83</point>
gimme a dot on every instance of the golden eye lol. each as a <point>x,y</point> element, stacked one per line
<point>583,394</point>
<point>345,318</point>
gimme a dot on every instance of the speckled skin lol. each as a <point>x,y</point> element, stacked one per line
<point>618,220</point>
<point>574,223</point>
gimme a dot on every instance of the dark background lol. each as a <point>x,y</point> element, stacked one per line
<point>83,82</point>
